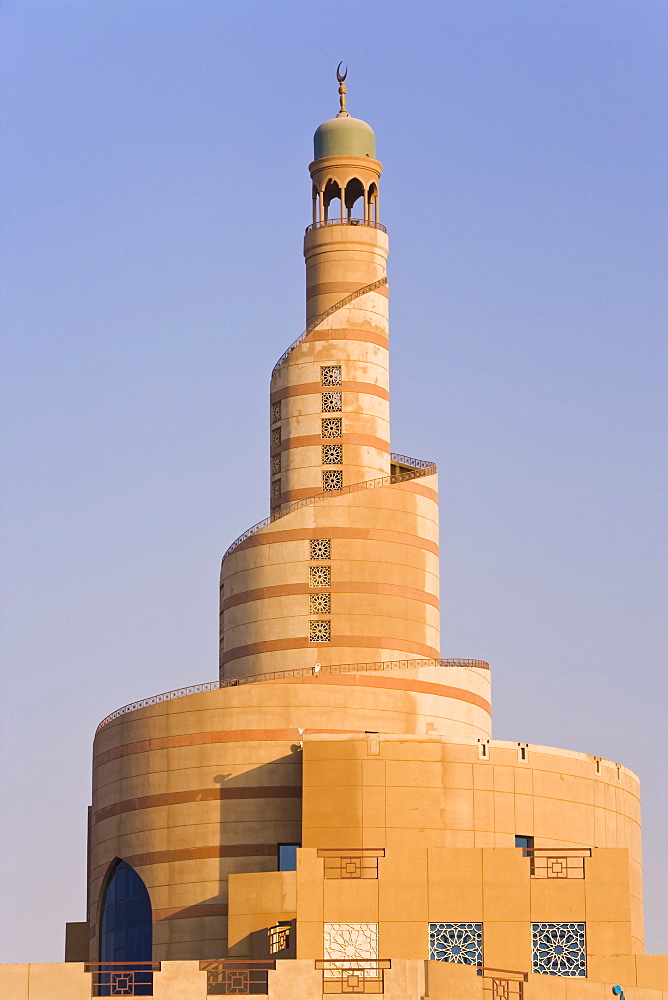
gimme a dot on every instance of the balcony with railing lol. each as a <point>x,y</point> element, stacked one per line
<point>122,979</point>
<point>237,976</point>
<point>346,222</point>
<point>557,862</point>
<point>353,975</point>
<point>502,984</point>
<point>275,675</point>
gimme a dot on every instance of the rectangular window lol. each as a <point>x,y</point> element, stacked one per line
<point>460,943</point>
<point>320,630</point>
<point>331,402</point>
<point>320,604</point>
<point>332,427</point>
<point>526,843</point>
<point>332,480</point>
<point>330,374</point>
<point>559,949</point>
<point>320,548</point>
<point>276,438</point>
<point>319,576</point>
<point>275,464</point>
<point>332,454</point>
<point>287,857</point>
<point>275,412</point>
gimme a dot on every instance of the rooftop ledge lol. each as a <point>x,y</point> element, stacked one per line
<point>275,675</point>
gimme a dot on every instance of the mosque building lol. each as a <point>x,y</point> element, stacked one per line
<point>332,815</point>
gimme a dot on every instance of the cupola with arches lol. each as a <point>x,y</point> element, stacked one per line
<point>345,171</point>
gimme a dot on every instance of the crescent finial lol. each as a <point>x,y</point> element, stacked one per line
<point>342,91</point>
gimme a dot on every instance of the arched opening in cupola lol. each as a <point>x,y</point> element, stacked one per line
<point>333,211</point>
<point>355,200</point>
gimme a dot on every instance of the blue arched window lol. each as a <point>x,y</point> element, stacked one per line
<point>126,931</point>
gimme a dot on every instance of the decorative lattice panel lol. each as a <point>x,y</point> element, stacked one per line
<point>320,548</point>
<point>332,427</point>
<point>320,631</point>
<point>456,943</point>
<point>332,480</point>
<point>330,374</point>
<point>275,464</point>
<point>332,454</point>
<point>559,949</point>
<point>319,576</point>
<point>351,941</point>
<point>276,437</point>
<point>319,604</point>
<point>331,402</point>
<point>276,491</point>
<point>275,412</point>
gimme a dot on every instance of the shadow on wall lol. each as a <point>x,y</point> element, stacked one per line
<point>260,809</point>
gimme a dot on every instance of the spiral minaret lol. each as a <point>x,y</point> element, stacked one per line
<point>345,569</point>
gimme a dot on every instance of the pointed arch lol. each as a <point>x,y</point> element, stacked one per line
<point>332,192</point>
<point>126,926</point>
<point>355,199</point>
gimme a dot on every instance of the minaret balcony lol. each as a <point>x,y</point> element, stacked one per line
<point>346,222</point>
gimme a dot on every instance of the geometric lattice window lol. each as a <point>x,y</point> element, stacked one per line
<point>276,438</point>
<point>318,576</point>
<point>456,943</point>
<point>319,631</point>
<point>276,490</point>
<point>275,412</point>
<point>331,402</point>
<point>330,375</point>
<point>332,454</point>
<point>275,464</point>
<point>332,480</point>
<point>321,548</point>
<point>319,604</point>
<point>345,941</point>
<point>331,427</point>
<point>559,949</point>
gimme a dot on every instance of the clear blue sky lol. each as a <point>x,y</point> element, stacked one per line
<point>155,193</point>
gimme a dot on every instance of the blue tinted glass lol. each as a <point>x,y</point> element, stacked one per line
<point>132,917</point>
<point>110,896</point>
<point>287,857</point>
<point>135,885</point>
<point>126,925</point>
<point>523,841</point>
<point>133,943</point>
<point>121,879</point>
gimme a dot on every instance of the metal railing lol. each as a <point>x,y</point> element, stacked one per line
<point>415,463</point>
<point>351,975</point>
<point>403,477</point>
<point>237,976</point>
<point>124,978</point>
<point>275,675</point>
<point>328,312</point>
<point>351,863</point>
<point>557,862</point>
<point>346,222</point>
<point>502,984</point>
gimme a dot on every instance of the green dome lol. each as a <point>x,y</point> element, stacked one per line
<point>344,136</point>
